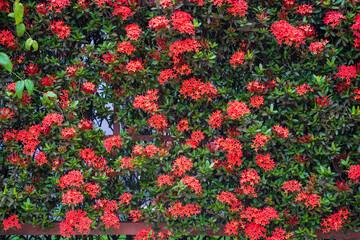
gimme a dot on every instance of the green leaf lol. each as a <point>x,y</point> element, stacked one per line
<point>20,29</point>
<point>19,88</point>
<point>28,43</point>
<point>35,45</point>
<point>29,86</point>
<point>19,12</point>
<point>5,61</point>
<point>12,15</point>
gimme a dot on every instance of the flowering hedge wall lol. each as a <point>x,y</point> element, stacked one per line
<point>252,108</point>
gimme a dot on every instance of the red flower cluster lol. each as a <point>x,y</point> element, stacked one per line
<point>250,176</point>
<point>72,197</point>
<point>147,102</point>
<point>304,9</point>
<point>303,89</point>
<point>73,178</point>
<point>85,124</point>
<point>183,46</point>
<point>123,11</point>
<point>237,109</point>
<point>30,139</point>
<point>316,47</point>
<point>7,39</point>
<point>285,32</point>
<point>11,222</point>
<point>92,189</point>
<point>216,119</point>
<point>256,101</point>
<point>58,5</point>
<point>183,125</point>
<point>158,121</point>
<point>134,66</point>
<point>291,186</point>
<point>195,90</point>
<point>110,220</point>
<point>62,31</point>
<point>333,18</point>
<point>68,133</point>
<point>6,114</point>
<point>354,173</point>
<point>75,219</point>
<point>265,162</point>
<point>125,198</point>
<point>356,31</point>
<point>114,141</point>
<point>178,210</point>
<point>233,149</point>
<point>133,31</point>
<point>165,180</point>
<point>159,22</point>
<point>256,87</point>
<point>196,138</point>
<point>165,75</point>
<point>309,199</point>
<point>193,183</point>
<point>259,141</point>
<point>181,165</point>
<point>335,221</point>
<point>281,132</point>
<point>147,152</point>
<point>346,72</point>
<point>230,199</point>
<point>237,58</point>
<point>40,159</point>
<point>125,47</point>
<point>182,22</point>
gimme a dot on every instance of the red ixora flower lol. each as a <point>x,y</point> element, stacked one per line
<point>147,102</point>
<point>125,198</point>
<point>256,101</point>
<point>193,183</point>
<point>58,5</point>
<point>291,186</point>
<point>89,87</point>
<point>165,180</point>
<point>281,132</point>
<point>6,114</point>
<point>114,141</point>
<point>159,22</point>
<point>285,32</point>
<point>335,221</point>
<point>72,197</point>
<point>237,109</point>
<point>134,66</point>
<point>333,18</point>
<point>110,220</point>
<point>259,141</point>
<point>316,47</point>
<point>73,178</point>
<point>75,219</point>
<point>182,22</point>
<point>158,121</point>
<point>195,90</point>
<point>62,31</point>
<point>265,162</point>
<point>237,58</point>
<point>354,173</point>
<point>188,210</point>
<point>303,89</point>
<point>181,165</point>
<point>125,47</point>
<point>216,119</point>
<point>133,31</point>
<point>10,222</point>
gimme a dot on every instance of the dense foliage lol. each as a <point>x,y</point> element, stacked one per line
<point>251,109</point>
